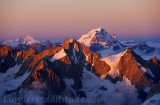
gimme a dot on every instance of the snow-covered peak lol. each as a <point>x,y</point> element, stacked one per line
<point>99,29</point>
<point>28,40</point>
<point>97,36</point>
<point>96,30</point>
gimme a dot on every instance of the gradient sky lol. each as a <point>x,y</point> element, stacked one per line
<point>59,19</point>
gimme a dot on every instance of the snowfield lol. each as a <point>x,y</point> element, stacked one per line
<point>58,55</point>
<point>113,94</point>
<point>112,61</point>
<point>8,83</point>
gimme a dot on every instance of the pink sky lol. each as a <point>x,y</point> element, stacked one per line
<point>72,18</point>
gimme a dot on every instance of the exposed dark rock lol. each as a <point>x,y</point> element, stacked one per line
<point>81,94</point>
<point>103,88</point>
<point>7,55</point>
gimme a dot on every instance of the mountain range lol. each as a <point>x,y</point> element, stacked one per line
<point>29,42</point>
<point>98,68</point>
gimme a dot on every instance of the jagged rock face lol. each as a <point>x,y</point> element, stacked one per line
<point>101,68</point>
<point>68,66</point>
<point>129,67</point>
<point>24,54</point>
<point>31,62</point>
<point>10,57</point>
<point>44,74</point>
<point>7,60</point>
<point>31,59</point>
<point>52,67</point>
<point>139,71</point>
<point>42,70</point>
<point>155,60</point>
<point>154,90</point>
<point>86,57</point>
<point>154,64</point>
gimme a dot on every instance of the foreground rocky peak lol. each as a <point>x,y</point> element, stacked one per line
<point>137,70</point>
<point>24,55</point>
<point>10,57</point>
<point>7,55</point>
<point>155,60</point>
<point>129,53</point>
<point>6,50</point>
<point>84,56</point>
<point>70,44</point>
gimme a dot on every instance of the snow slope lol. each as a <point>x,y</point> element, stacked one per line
<point>8,83</point>
<point>102,92</point>
<point>112,61</point>
<point>58,55</point>
<point>110,94</point>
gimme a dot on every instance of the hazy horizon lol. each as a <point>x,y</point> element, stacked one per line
<point>62,19</point>
<point>59,39</point>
